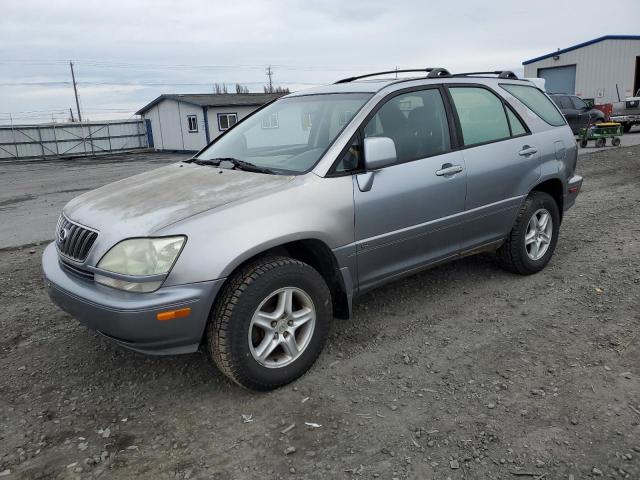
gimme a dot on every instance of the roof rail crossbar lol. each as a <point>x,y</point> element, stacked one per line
<point>438,72</point>
<point>507,74</point>
<point>428,71</point>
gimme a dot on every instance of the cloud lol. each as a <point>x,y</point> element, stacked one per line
<point>121,48</point>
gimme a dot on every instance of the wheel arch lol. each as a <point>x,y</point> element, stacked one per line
<point>318,255</point>
<point>555,188</point>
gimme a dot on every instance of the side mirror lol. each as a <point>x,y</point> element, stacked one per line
<point>379,152</point>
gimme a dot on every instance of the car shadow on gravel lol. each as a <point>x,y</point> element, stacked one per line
<point>385,312</point>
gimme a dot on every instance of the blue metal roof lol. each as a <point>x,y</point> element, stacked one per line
<point>584,44</point>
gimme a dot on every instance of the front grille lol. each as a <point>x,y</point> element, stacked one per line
<point>74,241</point>
<point>78,272</point>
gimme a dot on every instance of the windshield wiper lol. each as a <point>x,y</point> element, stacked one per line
<point>236,164</point>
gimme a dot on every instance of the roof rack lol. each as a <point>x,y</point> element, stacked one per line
<point>431,73</point>
<point>507,74</point>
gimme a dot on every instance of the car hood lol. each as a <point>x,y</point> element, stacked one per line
<point>144,203</point>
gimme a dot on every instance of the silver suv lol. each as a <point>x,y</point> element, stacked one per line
<point>252,246</point>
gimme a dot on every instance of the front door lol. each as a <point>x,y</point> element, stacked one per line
<point>569,111</point>
<point>405,218</point>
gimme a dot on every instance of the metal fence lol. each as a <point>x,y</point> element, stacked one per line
<point>71,139</point>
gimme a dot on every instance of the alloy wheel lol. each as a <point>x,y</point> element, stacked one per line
<point>281,327</point>
<point>538,236</point>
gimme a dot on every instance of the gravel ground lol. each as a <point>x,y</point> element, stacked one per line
<point>463,371</point>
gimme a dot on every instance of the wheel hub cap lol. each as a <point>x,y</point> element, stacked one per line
<point>281,327</point>
<point>539,233</point>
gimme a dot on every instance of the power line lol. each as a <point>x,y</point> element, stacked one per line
<point>142,84</point>
<point>129,65</point>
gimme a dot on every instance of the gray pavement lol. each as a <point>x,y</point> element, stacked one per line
<point>32,193</point>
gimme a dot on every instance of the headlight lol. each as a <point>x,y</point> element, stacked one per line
<point>140,257</point>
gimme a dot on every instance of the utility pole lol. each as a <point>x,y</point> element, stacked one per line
<point>75,91</point>
<point>269,74</point>
<point>71,113</point>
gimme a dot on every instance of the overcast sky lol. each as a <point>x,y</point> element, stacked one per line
<point>127,52</point>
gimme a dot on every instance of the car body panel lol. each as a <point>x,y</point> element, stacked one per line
<point>306,208</point>
<point>405,219</point>
<point>497,177</point>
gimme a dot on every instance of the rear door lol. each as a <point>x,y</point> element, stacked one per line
<point>408,216</point>
<point>502,162</point>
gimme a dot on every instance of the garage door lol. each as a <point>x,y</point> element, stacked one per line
<point>559,79</point>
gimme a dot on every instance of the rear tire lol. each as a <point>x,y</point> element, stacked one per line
<point>255,320</point>
<point>517,253</point>
<point>584,143</point>
<point>601,142</point>
<point>615,142</point>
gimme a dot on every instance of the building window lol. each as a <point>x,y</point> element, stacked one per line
<point>271,121</point>
<point>226,121</point>
<point>192,120</point>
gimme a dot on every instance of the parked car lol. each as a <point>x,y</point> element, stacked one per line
<point>627,113</point>
<point>577,112</point>
<point>255,244</point>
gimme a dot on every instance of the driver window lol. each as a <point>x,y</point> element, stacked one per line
<point>416,122</point>
<point>579,103</point>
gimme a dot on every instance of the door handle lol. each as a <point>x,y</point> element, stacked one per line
<point>527,151</point>
<point>448,169</point>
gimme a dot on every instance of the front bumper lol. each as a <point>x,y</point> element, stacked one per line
<point>573,188</point>
<point>130,318</point>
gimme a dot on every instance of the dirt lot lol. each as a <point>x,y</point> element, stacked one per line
<point>460,372</point>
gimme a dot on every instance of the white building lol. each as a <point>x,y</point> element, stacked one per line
<point>188,122</point>
<point>605,69</point>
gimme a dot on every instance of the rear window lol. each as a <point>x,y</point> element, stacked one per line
<point>481,114</point>
<point>536,101</point>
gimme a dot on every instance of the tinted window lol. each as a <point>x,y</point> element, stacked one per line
<point>415,121</point>
<point>536,101</point>
<point>578,103</point>
<point>481,114</point>
<point>562,102</point>
<point>517,128</point>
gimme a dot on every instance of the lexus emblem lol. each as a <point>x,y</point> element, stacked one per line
<point>62,235</point>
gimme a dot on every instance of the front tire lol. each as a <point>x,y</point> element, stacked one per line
<point>270,323</point>
<point>532,240</point>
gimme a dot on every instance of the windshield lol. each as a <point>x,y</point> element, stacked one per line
<point>290,135</point>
